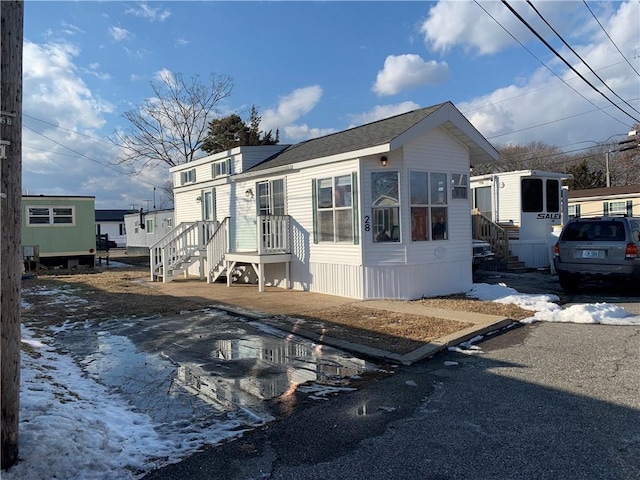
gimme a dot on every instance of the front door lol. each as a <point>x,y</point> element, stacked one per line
<point>208,205</point>
<point>271,198</point>
<point>271,202</point>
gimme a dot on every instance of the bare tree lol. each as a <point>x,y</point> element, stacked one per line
<point>530,156</point>
<point>171,126</point>
<point>165,198</point>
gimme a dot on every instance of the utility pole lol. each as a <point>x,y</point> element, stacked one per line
<point>11,38</point>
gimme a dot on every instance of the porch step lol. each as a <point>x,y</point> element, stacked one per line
<point>514,265</point>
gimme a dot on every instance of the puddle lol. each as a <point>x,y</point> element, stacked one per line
<point>204,369</point>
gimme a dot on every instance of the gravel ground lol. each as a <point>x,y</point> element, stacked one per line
<point>126,293</point>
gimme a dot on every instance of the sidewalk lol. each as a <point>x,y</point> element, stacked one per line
<point>282,308</point>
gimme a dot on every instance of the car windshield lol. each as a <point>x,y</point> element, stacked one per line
<point>594,231</point>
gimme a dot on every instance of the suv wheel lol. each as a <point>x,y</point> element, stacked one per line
<point>568,282</point>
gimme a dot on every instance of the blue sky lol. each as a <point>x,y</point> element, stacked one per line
<point>313,68</point>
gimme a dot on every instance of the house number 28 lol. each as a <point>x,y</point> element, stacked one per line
<point>367,225</point>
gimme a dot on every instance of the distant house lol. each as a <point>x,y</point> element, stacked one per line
<point>145,228</point>
<point>595,202</point>
<point>59,231</point>
<point>518,212</point>
<point>111,222</point>
<point>377,211</point>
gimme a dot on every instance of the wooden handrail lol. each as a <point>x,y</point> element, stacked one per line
<point>492,233</point>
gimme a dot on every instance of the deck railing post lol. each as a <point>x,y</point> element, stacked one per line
<point>165,266</point>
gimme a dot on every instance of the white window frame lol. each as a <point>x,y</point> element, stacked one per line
<point>573,210</point>
<point>53,213</point>
<point>188,176</point>
<point>386,212</point>
<point>346,205</point>
<point>618,207</point>
<point>150,225</point>
<point>433,203</point>
<point>221,168</point>
<point>459,186</point>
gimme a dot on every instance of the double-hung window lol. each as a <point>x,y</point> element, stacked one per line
<point>574,211</point>
<point>50,216</point>
<point>188,176</point>
<point>618,207</point>
<point>385,206</point>
<point>429,211</point>
<point>459,186</point>
<point>221,168</point>
<point>334,209</point>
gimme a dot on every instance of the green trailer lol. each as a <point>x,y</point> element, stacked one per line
<point>59,231</point>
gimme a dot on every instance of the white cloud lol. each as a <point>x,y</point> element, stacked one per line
<point>182,42</point>
<point>402,72</point>
<point>381,111</point>
<point>63,151</point>
<point>71,29</point>
<point>290,108</point>
<point>145,11</point>
<point>466,24</point>
<point>54,91</point>
<point>137,54</point>
<point>298,133</point>
<point>538,104</point>
<point>119,34</point>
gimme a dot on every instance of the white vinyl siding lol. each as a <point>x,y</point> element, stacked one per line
<point>326,267</point>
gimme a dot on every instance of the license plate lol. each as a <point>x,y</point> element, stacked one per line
<point>590,253</point>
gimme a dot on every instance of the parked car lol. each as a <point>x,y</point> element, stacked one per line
<point>602,247</point>
<point>104,244</point>
<point>481,253</point>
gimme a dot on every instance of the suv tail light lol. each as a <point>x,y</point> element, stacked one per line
<point>556,249</point>
<point>631,251</point>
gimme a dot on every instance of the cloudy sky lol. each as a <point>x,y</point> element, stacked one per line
<point>313,68</point>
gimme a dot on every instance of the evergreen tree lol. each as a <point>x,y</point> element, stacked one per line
<point>229,132</point>
<point>584,178</point>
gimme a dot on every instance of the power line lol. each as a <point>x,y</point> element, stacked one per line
<point>550,122</point>
<point>67,129</point>
<point>106,165</point>
<point>532,30</point>
<point>610,39</point>
<point>578,55</point>
<point>545,66</point>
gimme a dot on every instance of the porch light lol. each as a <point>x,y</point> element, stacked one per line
<point>384,161</point>
<point>248,193</point>
<point>198,199</point>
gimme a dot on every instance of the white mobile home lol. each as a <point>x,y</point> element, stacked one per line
<point>526,205</point>
<point>145,229</point>
<point>111,223</point>
<point>377,211</point>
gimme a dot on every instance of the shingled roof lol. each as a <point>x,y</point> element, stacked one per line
<point>357,138</point>
<point>111,215</point>
<point>605,191</point>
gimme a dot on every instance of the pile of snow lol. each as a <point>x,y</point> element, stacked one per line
<point>548,311</point>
